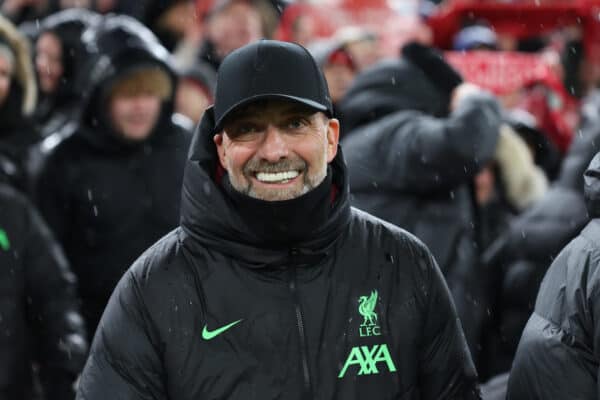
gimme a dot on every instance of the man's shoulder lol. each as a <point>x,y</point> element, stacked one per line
<point>160,263</point>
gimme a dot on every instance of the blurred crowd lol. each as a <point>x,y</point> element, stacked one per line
<point>99,99</point>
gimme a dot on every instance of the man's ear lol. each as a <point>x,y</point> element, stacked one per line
<point>333,138</point>
<point>219,143</point>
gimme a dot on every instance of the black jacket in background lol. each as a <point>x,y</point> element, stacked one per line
<point>39,311</point>
<point>535,238</point>
<point>296,302</point>
<point>413,169</point>
<point>107,199</point>
<point>558,354</point>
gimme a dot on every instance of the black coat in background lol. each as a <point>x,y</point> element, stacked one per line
<point>558,356</point>
<point>414,170</point>
<point>39,311</point>
<point>107,199</point>
<point>292,275</point>
<point>534,239</point>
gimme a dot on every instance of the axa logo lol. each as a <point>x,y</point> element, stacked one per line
<point>4,242</point>
<point>368,359</point>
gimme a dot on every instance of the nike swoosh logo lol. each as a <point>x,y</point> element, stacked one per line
<point>208,335</point>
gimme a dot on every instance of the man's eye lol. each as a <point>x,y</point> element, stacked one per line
<point>245,129</point>
<point>296,123</point>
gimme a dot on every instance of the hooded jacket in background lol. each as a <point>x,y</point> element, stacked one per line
<point>261,300</point>
<point>56,109</point>
<point>40,320</point>
<point>558,354</point>
<point>412,169</point>
<point>108,199</point>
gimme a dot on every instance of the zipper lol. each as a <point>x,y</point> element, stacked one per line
<point>301,329</point>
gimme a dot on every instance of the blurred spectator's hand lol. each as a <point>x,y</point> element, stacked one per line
<point>463,90</point>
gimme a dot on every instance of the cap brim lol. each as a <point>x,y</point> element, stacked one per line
<point>300,100</point>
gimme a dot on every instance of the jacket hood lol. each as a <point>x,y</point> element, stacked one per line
<point>23,77</point>
<point>387,87</point>
<point>210,219</point>
<point>68,26</point>
<point>591,181</point>
<point>118,45</point>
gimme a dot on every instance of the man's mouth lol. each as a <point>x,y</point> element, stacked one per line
<point>277,177</point>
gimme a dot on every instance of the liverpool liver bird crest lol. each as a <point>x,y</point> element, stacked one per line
<point>366,307</point>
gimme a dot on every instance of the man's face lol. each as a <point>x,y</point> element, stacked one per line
<point>134,116</point>
<point>5,78</point>
<point>48,62</point>
<point>277,150</point>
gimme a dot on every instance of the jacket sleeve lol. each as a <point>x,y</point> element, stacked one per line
<point>54,310</point>
<point>442,153</point>
<point>446,370</point>
<point>124,362</point>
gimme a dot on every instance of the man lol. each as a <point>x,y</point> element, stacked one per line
<point>273,286</point>
<point>557,356</point>
<point>112,188</point>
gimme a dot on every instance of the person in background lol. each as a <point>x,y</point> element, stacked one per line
<point>337,66</point>
<point>18,95</point>
<point>195,91</point>
<point>58,59</point>
<point>557,356</point>
<point>113,187</point>
<point>535,238</point>
<point>361,44</point>
<point>41,328</point>
<point>230,24</point>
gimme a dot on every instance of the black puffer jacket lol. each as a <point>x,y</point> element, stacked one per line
<point>413,170</point>
<point>558,354</point>
<point>221,308</point>
<point>39,316</point>
<point>106,199</point>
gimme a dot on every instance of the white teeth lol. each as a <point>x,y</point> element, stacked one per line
<point>277,176</point>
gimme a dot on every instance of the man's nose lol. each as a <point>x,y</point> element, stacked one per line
<point>273,147</point>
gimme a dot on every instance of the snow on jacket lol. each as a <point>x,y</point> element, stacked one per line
<point>558,354</point>
<point>355,308</point>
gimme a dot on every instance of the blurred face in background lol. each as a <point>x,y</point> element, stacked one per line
<point>339,71</point>
<point>6,70</point>
<point>191,99</point>
<point>134,116</point>
<point>238,24</point>
<point>135,102</point>
<point>48,62</point>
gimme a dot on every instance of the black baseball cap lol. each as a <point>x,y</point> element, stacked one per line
<point>269,69</point>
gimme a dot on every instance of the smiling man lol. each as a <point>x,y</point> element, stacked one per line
<point>273,287</point>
